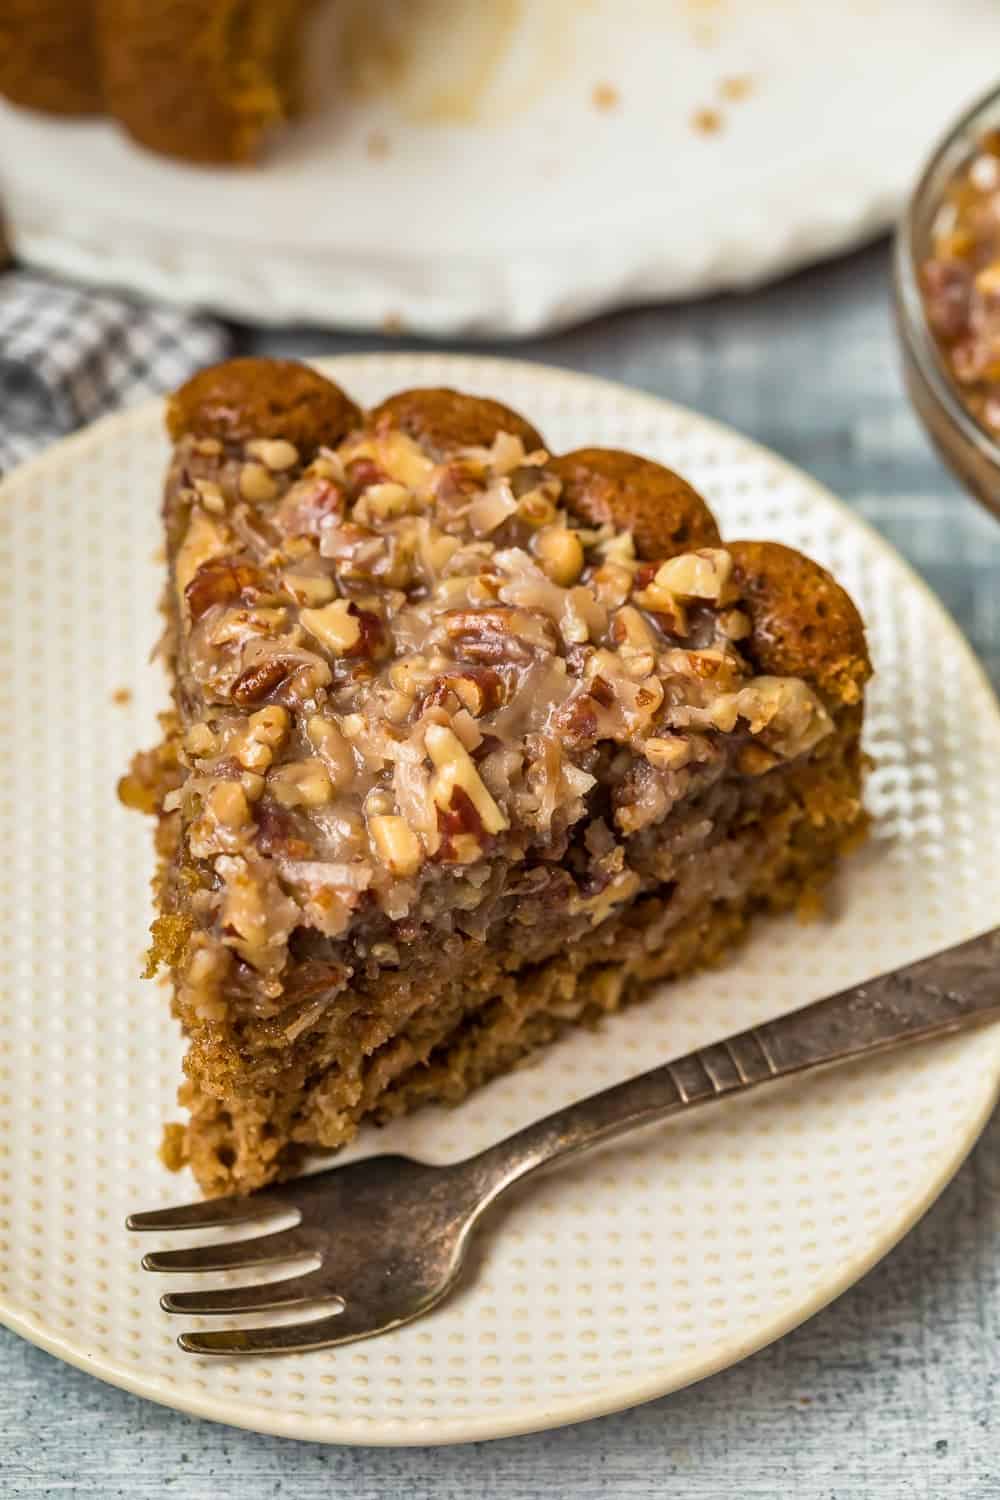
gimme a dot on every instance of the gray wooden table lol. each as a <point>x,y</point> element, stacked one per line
<point>890,1391</point>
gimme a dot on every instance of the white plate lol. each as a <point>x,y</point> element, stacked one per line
<point>646,1266</point>
<point>508,201</point>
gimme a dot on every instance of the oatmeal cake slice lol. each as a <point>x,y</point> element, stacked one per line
<point>470,743</point>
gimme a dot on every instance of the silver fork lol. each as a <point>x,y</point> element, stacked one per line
<point>390,1235</point>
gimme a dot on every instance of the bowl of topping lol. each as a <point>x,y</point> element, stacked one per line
<point>947,287</point>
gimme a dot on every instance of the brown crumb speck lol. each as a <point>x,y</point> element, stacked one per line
<point>122,696</point>
<point>170,933</point>
<point>707,121</point>
<point>377,145</point>
<point>736,88</point>
<point>173,1147</point>
<point>393,323</point>
<point>605,97</point>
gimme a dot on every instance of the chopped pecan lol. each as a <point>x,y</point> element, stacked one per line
<point>279,832</point>
<point>629,630</point>
<point>253,685</point>
<point>579,719</point>
<point>672,620</point>
<point>706,664</point>
<point>257,484</point>
<point>309,589</point>
<point>223,580</point>
<point>396,845</point>
<point>335,626</point>
<point>360,473</point>
<point>703,574</point>
<point>228,805</point>
<point>576,659</point>
<point>301,783</point>
<point>357,550</point>
<point>560,553</point>
<point>461,829</point>
<point>309,505</point>
<point>499,634</point>
<point>667,752</point>
<point>456,772</point>
<point>478,689</point>
<point>459,481</point>
<point>372,635</point>
<point>346,629</point>
<point>227,769</point>
<point>276,454</point>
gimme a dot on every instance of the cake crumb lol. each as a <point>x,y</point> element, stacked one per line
<point>605,98</point>
<point>173,1147</point>
<point>377,145</point>
<point>393,323</point>
<point>707,121</point>
<point>122,696</point>
<point>736,88</point>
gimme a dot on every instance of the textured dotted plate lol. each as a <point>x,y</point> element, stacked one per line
<point>645,1266</point>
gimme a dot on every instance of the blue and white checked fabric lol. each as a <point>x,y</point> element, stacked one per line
<point>68,355</point>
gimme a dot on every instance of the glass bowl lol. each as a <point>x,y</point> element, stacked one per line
<point>968,449</point>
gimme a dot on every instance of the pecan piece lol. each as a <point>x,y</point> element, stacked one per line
<point>703,574</point>
<point>455,772</point>
<point>222,580</point>
<point>360,473</point>
<point>372,634</point>
<point>311,503</point>
<point>478,689</point>
<point>461,829</point>
<point>262,678</point>
<point>500,634</point>
<point>278,831</point>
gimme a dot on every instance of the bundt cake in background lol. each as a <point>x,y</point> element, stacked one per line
<point>48,58</point>
<point>201,81</point>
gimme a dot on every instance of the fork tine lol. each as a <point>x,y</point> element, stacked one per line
<point>207,1214</point>
<point>241,1299</point>
<point>259,1251</point>
<point>292,1338</point>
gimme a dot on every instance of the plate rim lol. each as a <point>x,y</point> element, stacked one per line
<point>518,300</point>
<point>480,1427</point>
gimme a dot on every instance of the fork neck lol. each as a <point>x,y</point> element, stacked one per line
<point>589,1122</point>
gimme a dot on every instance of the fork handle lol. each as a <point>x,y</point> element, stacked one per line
<point>952,990</point>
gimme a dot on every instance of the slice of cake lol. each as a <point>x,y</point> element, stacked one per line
<point>470,744</point>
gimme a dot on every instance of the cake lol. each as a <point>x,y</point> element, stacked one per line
<point>206,83</point>
<point>470,743</point>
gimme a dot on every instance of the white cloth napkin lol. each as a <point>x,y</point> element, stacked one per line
<point>68,355</point>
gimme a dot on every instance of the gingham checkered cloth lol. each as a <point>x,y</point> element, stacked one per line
<point>68,355</point>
